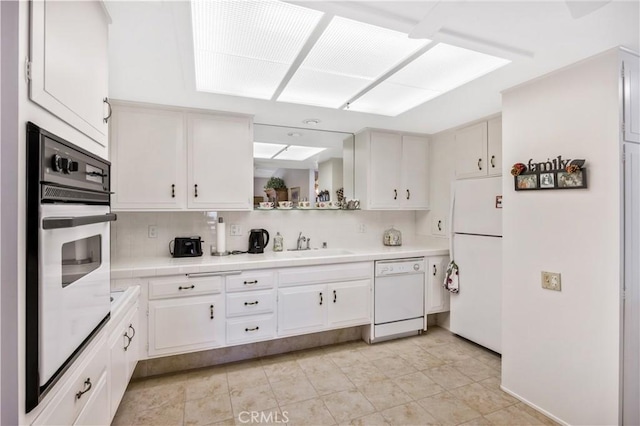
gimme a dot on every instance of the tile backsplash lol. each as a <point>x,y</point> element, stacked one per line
<point>338,228</point>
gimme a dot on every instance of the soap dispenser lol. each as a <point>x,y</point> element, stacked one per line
<point>278,242</point>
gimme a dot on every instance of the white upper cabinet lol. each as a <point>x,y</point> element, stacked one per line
<point>148,154</point>
<point>478,149</point>
<point>69,66</point>
<point>392,171</point>
<point>220,164</point>
<point>167,158</point>
<point>631,98</point>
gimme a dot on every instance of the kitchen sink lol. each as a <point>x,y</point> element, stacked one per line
<point>317,253</point>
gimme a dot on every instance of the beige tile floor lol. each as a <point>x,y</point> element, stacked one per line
<point>436,378</point>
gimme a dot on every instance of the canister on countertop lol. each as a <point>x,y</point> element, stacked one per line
<point>278,242</point>
<point>392,237</point>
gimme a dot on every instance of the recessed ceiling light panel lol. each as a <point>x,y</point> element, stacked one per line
<point>441,69</point>
<point>348,57</point>
<point>266,150</point>
<point>311,121</point>
<point>298,153</point>
<point>245,48</point>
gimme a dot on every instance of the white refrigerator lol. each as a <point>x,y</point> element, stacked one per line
<point>476,247</point>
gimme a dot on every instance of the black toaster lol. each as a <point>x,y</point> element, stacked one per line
<point>186,247</point>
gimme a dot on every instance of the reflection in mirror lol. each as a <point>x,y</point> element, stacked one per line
<point>313,164</point>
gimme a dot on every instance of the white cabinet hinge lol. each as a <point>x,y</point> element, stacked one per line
<point>147,312</point>
<point>27,69</point>
<point>622,71</point>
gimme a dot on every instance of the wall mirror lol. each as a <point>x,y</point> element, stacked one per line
<point>314,164</point>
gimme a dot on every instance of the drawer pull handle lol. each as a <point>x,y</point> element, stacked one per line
<point>251,282</point>
<point>128,341</point>
<point>195,190</point>
<point>132,329</point>
<point>321,298</point>
<point>105,120</point>
<point>256,328</point>
<point>395,194</point>
<point>408,194</point>
<point>335,296</point>
<point>87,388</point>
<point>479,163</point>
<point>493,161</point>
<point>211,310</point>
<point>439,225</point>
<point>250,303</point>
<point>173,190</point>
<point>187,288</point>
<point>435,270</point>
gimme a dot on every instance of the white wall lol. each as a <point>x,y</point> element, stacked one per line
<point>337,227</point>
<point>561,349</point>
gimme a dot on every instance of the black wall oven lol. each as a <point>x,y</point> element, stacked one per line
<point>68,256</point>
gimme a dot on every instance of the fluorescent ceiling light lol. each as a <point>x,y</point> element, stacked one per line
<point>439,70</point>
<point>276,151</point>
<point>347,58</point>
<point>266,150</point>
<point>245,48</point>
<point>298,153</point>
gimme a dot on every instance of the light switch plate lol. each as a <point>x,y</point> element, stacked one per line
<point>152,231</point>
<point>551,281</point>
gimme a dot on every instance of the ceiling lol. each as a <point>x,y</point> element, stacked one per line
<point>151,54</point>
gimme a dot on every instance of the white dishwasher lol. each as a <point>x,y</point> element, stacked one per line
<point>398,298</point>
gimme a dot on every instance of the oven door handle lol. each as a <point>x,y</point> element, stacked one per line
<point>71,222</point>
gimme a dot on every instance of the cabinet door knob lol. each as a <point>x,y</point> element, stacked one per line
<point>173,190</point>
<point>408,194</point>
<point>479,163</point>
<point>321,298</point>
<point>335,296</point>
<point>435,270</point>
<point>493,161</point>
<point>195,190</point>
<point>211,310</point>
<point>106,119</point>
<point>395,194</point>
<point>87,388</point>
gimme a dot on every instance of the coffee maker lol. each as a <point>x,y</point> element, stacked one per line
<point>257,241</point>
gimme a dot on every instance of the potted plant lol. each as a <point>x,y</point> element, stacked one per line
<point>276,188</point>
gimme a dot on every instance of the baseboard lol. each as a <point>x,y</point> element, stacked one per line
<point>534,406</point>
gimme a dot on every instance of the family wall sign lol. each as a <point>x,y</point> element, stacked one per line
<point>556,173</point>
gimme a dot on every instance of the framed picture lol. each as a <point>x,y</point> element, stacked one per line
<point>295,194</point>
<point>577,179</point>
<point>547,180</point>
<point>529,181</point>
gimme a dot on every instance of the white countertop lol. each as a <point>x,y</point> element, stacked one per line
<point>158,266</point>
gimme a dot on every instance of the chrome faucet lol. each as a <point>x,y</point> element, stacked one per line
<point>301,240</point>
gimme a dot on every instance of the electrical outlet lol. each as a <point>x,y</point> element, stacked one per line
<point>152,231</point>
<point>236,231</point>
<point>551,281</point>
<point>362,228</point>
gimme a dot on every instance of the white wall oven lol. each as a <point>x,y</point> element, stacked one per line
<point>68,253</point>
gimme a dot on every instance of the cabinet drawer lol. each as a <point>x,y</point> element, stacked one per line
<point>65,406</point>
<point>251,329</point>
<point>325,274</point>
<point>251,281</point>
<point>251,303</point>
<point>182,285</point>
<point>96,412</point>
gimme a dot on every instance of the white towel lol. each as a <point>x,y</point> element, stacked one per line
<point>451,282</point>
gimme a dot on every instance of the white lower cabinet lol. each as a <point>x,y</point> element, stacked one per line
<point>437,298</point>
<point>350,303</point>
<point>124,354</point>
<point>302,309</point>
<point>186,324</point>
<point>342,300</point>
<point>83,398</point>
